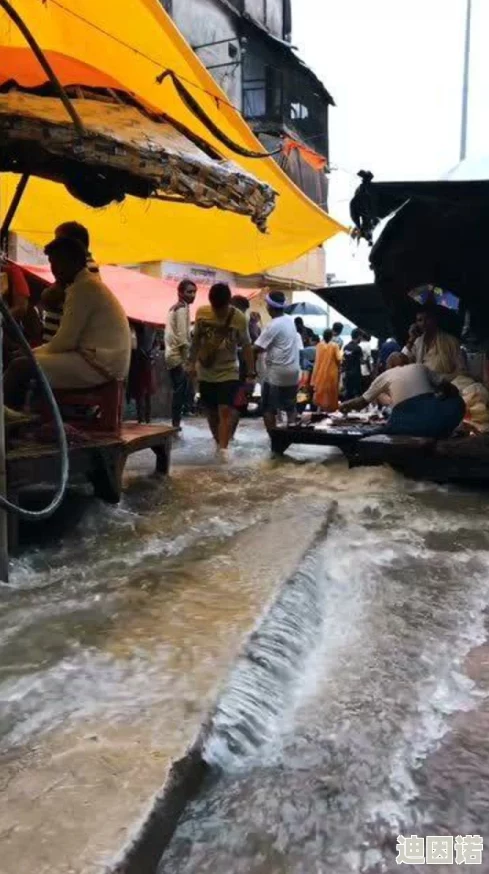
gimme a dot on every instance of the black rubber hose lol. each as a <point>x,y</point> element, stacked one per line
<point>5,504</point>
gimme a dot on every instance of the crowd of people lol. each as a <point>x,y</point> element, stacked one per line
<point>81,338</point>
<point>416,385</point>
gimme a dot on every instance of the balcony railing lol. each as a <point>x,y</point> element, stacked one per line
<point>283,98</point>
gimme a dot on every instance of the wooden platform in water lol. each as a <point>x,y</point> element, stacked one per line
<point>463,459</point>
<point>100,460</point>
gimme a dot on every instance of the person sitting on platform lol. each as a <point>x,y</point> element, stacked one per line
<point>93,343</point>
<point>53,297</point>
<point>414,334</point>
<point>386,349</point>
<point>423,404</point>
<point>436,349</point>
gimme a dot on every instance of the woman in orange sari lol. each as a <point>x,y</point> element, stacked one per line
<point>325,378</point>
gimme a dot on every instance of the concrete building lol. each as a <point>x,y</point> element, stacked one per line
<point>246,45</point>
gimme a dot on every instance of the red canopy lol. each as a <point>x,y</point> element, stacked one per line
<point>144,298</point>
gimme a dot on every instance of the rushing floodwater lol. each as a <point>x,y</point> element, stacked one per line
<point>328,737</point>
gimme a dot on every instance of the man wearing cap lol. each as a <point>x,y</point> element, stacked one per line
<point>93,342</point>
<point>280,344</point>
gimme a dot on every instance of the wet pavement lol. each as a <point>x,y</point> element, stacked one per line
<point>358,710</point>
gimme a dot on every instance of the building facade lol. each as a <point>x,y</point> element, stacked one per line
<point>246,46</point>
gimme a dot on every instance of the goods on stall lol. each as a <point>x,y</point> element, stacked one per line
<point>476,399</point>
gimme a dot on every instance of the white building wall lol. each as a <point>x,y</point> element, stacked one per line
<point>205,21</point>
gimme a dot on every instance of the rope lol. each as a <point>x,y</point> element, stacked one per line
<point>46,66</point>
<point>184,94</point>
<point>202,116</point>
<point>126,45</point>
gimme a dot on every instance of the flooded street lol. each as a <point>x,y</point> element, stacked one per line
<point>357,710</point>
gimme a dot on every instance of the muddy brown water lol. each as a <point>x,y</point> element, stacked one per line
<point>363,718</point>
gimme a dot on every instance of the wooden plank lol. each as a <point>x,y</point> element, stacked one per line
<point>343,438</point>
<point>138,437</point>
<point>101,459</point>
<point>458,460</point>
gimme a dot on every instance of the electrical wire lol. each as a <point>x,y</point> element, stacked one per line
<point>202,116</point>
<point>218,97</point>
<point>177,79</point>
<point>5,504</point>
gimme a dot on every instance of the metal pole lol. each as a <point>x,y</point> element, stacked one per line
<point>465,90</point>
<point>12,209</point>
<point>3,478</point>
<point>3,475</point>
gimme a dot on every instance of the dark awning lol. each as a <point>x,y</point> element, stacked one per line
<point>363,305</point>
<point>374,201</point>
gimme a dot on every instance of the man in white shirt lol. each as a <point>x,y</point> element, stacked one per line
<point>423,403</point>
<point>177,347</point>
<point>279,342</point>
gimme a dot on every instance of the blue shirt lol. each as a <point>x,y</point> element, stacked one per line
<point>387,349</point>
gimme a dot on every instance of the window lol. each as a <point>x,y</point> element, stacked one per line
<point>298,112</point>
<point>262,90</point>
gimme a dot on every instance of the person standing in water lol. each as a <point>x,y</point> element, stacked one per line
<point>367,362</point>
<point>177,346</point>
<point>337,332</point>
<point>325,379</point>
<point>352,366</point>
<point>242,398</point>
<point>220,330</point>
<point>280,342</point>
<point>141,383</point>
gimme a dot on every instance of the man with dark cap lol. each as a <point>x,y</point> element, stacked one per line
<point>93,343</point>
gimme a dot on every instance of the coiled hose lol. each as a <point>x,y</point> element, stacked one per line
<point>5,504</point>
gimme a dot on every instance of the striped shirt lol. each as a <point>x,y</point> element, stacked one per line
<point>53,300</point>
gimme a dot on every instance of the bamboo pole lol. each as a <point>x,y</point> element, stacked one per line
<point>3,475</point>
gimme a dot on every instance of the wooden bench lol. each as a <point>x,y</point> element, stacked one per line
<point>384,449</point>
<point>345,438</point>
<point>100,461</point>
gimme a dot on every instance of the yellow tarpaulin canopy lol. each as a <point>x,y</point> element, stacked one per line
<point>133,42</point>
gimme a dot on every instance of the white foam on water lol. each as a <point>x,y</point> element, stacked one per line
<point>271,673</point>
<point>371,700</point>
